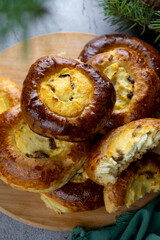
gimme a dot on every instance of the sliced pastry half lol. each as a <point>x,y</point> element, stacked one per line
<point>141,177</point>
<point>115,151</point>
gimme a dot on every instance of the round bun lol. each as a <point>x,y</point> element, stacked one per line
<point>32,162</point>
<point>137,85</point>
<point>80,194</point>
<point>141,177</point>
<point>115,151</point>
<point>66,99</point>
<point>106,43</point>
<point>9,94</point>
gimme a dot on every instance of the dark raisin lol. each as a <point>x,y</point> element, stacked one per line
<point>64,75</point>
<point>134,134</point>
<point>72,84</point>
<point>52,143</point>
<point>39,154</point>
<point>55,99</point>
<point>71,99</point>
<point>110,58</point>
<point>130,95</point>
<point>121,155</point>
<point>149,174</point>
<point>130,79</point>
<point>139,126</point>
<point>29,155</point>
<point>119,152</point>
<point>52,88</point>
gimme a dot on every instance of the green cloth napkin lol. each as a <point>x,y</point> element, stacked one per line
<point>143,224</point>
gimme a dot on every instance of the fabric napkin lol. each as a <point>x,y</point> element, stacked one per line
<point>143,224</point>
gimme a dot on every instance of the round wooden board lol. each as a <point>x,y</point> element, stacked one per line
<point>24,206</point>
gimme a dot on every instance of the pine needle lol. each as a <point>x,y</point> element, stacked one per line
<point>128,14</point>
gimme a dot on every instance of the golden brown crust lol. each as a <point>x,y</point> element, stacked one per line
<point>105,43</point>
<point>137,85</point>
<point>115,151</point>
<point>81,127</point>
<point>10,94</point>
<point>75,197</point>
<point>134,182</point>
<point>35,173</point>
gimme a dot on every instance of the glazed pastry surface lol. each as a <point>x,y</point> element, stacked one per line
<point>115,151</point>
<point>79,194</point>
<point>66,99</point>
<point>9,94</point>
<point>32,162</point>
<point>105,43</point>
<point>141,177</point>
<point>137,85</point>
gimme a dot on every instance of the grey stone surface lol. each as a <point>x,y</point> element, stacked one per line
<point>64,16</point>
<point>11,229</point>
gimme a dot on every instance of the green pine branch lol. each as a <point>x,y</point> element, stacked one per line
<point>128,14</point>
<point>19,14</point>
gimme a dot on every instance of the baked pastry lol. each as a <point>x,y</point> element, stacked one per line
<point>32,162</point>
<point>9,94</point>
<point>66,99</point>
<point>79,194</point>
<point>107,43</point>
<point>115,151</point>
<point>141,177</point>
<point>137,85</point>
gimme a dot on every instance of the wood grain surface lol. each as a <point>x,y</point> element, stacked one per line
<point>24,206</point>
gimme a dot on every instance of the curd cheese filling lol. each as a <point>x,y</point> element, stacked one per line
<point>67,92</point>
<point>119,154</point>
<point>36,146</point>
<point>123,84</point>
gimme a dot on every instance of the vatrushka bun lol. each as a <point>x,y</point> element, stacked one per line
<point>32,162</point>
<point>115,151</point>
<point>105,43</point>
<point>137,85</point>
<point>66,99</point>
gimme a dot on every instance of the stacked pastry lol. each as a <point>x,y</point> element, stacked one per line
<point>121,161</point>
<point>47,141</point>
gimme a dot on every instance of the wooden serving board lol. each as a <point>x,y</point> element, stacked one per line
<point>25,206</point>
